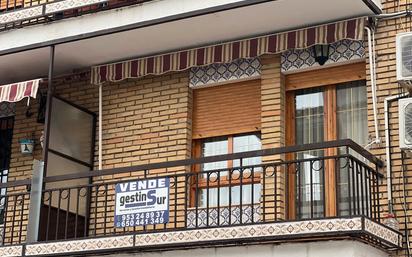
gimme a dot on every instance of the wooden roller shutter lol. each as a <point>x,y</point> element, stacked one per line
<point>228,109</point>
<point>10,5</point>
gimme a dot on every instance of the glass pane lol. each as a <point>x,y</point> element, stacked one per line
<point>309,123</point>
<point>71,131</point>
<point>353,124</point>
<point>56,166</point>
<point>224,196</point>
<point>211,147</point>
<point>247,143</point>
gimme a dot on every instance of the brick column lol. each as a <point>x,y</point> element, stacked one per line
<point>273,136</point>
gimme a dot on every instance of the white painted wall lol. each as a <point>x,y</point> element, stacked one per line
<point>104,20</point>
<point>314,249</point>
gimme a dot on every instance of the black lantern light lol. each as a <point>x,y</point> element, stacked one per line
<point>321,53</point>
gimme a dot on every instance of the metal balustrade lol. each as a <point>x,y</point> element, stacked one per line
<point>280,188</point>
<point>21,13</point>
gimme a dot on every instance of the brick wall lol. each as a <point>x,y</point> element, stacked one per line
<point>144,121</point>
<point>388,86</point>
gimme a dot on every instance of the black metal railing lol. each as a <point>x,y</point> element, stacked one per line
<point>278,188</point>
<point>22,20</point>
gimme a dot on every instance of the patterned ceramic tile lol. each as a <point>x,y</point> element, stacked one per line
<point>220,216</point>
<point>341,51</point>
<point>80,245</point>
<point>250,231</point>
<point>7,109</point>
<point>23,14</point>
<point>70,4</point>
<point>224,72</point>
<point>273,230</point>
<point>11,251</point>
<point>382,232</point>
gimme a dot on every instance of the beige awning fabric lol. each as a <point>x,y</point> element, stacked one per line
<point>227,52</point>
<point>17,91</point>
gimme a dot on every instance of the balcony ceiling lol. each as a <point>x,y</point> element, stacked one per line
<point>81,51</point>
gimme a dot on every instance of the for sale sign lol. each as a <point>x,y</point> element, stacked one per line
<point>142,202</point>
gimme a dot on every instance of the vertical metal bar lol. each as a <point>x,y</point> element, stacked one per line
<point>241,192</point>
<point>187,195</point>
<point>358,196</point>
<point>275,193</point>
<point>377,194</point>
<point>96,199</point>
<point>362,196</point>
<point>48,215</point>
<point>230,171</point>
<point>311,188</point>
<point>21,217</point>
<point>298,195</point>
<point>264,193</point>
<point>207,197</point>
<point>218,197</point>
<point>287,191</point>
<point>338,174</point>
<point>369,174</point>
<point>48,109</point>
<point>88,214</point>
<point>354,185</point>
<point>323,184</point>
<point>252,173</point>
<point>197,198</point>
<point>77,212</point>
<point>13,218</point>
<point>176,194</point>
<point>106,191</point>
<point>348,169</point>
<point>67,214</point>
<point>58,214</point>
<point>374,196</point>
<point>6,204</point>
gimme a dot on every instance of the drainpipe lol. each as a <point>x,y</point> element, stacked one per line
<point>387,101</point>
<point>100,125</point>
<point>372,68</point>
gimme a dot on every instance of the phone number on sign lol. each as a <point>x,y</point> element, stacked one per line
<point>141,219</point>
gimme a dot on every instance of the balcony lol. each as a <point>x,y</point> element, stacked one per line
<point>20,13</point>
<point>283,199</point>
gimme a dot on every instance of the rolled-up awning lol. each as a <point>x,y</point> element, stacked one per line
<point>18,91</point>
<point>227,52</point>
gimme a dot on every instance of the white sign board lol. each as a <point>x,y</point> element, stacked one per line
<point>142,202</point>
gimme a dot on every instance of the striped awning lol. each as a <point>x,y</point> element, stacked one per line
<point>227,52</point>
<point>17,91</point>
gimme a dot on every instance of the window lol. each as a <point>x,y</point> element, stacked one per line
<point>223,183</point>
<point>318,114</point>
<point>309,123</point>
<point>226,119</point>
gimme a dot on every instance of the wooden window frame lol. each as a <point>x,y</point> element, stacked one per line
<point>224,181</point>
<point>328,79</point>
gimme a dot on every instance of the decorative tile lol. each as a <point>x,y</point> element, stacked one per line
<point>96,244</point>
<point>249,214</point>
<point>7,109</point>
<point>22,14</point>
<point>383,232</point>
<point>276,230</point>
<point>70,4</point>
<point>218,73</point>
<point>341,51</point>
<point>250,231</point>
<point>11,251</point>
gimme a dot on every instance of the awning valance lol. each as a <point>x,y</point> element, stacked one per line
<point>17,91</point>
<point>227,52</point>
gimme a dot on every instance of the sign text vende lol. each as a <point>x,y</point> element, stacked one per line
<point>142,202</point>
